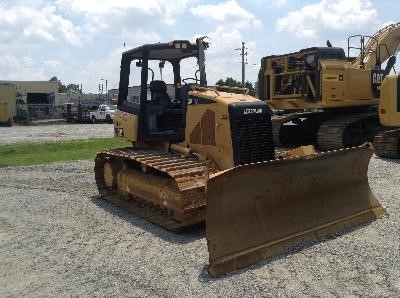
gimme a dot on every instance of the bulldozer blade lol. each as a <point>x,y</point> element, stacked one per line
<point>260,210</point>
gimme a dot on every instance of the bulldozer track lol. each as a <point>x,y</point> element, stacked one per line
<point>347,131</point>
<point>387,144</point>
<point>174,210</point>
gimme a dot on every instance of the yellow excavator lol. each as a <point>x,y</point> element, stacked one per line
<point>199,153</point>
<point>387,142</point>
<point>331,100</point>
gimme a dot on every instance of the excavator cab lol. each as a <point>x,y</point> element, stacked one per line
<point>159,112</point>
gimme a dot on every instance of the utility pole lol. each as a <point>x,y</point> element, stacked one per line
<point>107,92</point>
<point>244,61</point>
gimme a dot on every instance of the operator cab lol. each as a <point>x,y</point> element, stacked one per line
<point>160,106</point>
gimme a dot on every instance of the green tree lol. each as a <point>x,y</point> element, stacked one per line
<point>251,88</point>
<point>73,88</point>
<point>70,88</point>
<point>220,82</point>
<point>233,83</point>
<point>256,89</point>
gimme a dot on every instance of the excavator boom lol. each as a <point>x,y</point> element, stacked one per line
<point>380,46</point>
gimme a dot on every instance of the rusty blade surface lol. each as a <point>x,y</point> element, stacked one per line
<point>260,210</point>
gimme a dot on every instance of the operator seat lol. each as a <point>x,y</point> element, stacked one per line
<point>159,95</point>
<point>165,120</point>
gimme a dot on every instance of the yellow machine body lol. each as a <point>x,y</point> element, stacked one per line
<point>125,125</point>
<point>207,131</point>
<point>389,105</point>
<point>323,77</point>
<point>333,88</point>
<point>208,155</point>
<point>4,114</point>
<point>387,142</point>
<point>332,98</point>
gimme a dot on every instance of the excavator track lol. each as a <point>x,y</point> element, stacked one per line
<point>347,131</point>
<point>326,131</point>
<point>277,122</point>
<point>387,144</point>
<point>165,188</point>
<point>297,129</point>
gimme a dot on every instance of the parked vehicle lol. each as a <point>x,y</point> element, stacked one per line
<point>105,113</point>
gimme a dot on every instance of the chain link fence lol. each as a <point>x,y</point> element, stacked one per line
<point>71,112</point>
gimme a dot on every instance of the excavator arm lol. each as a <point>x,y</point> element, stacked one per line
<point>384,44</point>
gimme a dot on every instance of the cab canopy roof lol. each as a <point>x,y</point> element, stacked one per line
<point>177,49</point>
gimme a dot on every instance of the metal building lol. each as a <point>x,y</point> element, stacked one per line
<point>33,99</point>
<point>7,103</point>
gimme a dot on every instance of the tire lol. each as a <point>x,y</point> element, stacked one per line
<point>94,119</point>
<point>108,119</point>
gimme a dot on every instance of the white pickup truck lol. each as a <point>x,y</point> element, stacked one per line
<point>105,113</point>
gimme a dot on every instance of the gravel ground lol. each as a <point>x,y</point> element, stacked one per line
<point>57,238</point>
<point>43,133</point>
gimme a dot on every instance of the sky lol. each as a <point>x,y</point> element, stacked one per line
<point>81,41</point>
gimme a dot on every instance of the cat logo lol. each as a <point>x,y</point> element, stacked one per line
<point>377,78</point>
<point>252,111</point>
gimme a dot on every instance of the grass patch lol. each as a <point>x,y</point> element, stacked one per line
<point>48,152</point>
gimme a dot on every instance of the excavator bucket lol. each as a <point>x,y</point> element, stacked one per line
<point>260,210</point>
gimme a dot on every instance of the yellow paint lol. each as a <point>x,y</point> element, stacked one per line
<point>388,110</point>
<point>4,115</point>
<point>126,125</point>
<point>330,77</point>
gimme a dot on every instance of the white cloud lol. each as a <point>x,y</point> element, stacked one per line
<point>19,68</point>
<point>270,3</point>
<point>224,38</point>
<point>341,15</point>
<point>102,13</point>
<point>82,41</point>
<point>137,37</point>
<point>55,64</point>
<point>37,24</point>
<point>230,13</point>
<point>222,58</point>
<point>97,7</point>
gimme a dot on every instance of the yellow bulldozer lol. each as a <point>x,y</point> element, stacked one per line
<point>201,154</point>
<point>330,99</point>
